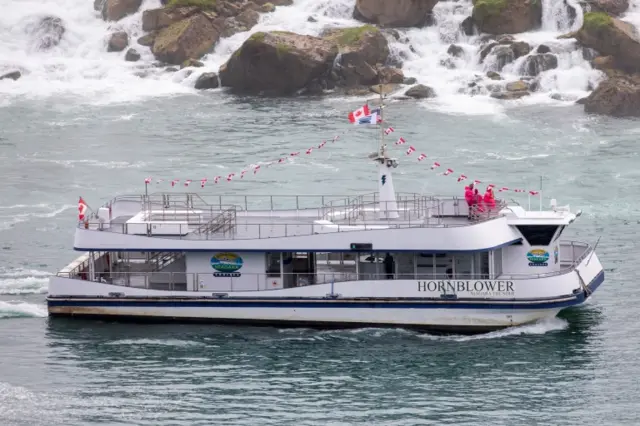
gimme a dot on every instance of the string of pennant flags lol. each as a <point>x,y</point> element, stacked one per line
<point>361,116</point>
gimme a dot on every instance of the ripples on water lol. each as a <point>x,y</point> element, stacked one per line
<point>172,374</point>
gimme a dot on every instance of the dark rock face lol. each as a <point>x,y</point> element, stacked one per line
<point>540,62</point>
<point>507,16</point>
<point>114,10</point>
<point>46,32</point>
<point>618,97</point>
<point>188,38</point>
<point>208,80</point>
<point>13,75</point>
<point>118,42</point>
<point>394,13</point>
<point>421,92</point>
<point>132,55</point>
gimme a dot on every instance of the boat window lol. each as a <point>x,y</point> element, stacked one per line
<point>273,264</point>
<point>559,233</point>
<point>538,235</point>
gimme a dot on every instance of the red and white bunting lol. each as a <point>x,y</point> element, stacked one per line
<point>389,130</point>
<point>461,178</point>
<point>203,182</point>
<point>401,141</point>
<point>421,157</point>
<point>410,150</point>
<point>435,165</point>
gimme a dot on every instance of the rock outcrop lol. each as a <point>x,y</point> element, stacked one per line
<point>118,42</point>
<point>420,91</point>
<point>188,38</point>
<point>611,37</point>
<point>394,13</point>
<point>540,62</point>
<point>617,96</point>
<point>46,32</point>
<point>361,51</point>
<point>114,10</point>
<point>507,16</point>
<point>208,80</point>
<point>278,62</point>
<point>132,55</point>
<point>13,75</point>
<point>612,7</point>
<point>157,19</point>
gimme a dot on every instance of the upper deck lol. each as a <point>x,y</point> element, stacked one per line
<point>228,217</point>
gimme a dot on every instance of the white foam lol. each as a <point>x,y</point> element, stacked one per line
<point>19,309</point>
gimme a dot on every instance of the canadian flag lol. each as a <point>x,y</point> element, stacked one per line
<point>504,188</point>
<point>255,169</point>
<point>322,144</point>
<point>203,182</point>
<point>309,150</point>
<point>173,182</point>
<point>359,113</point>
<point>518,190</point>
<point>187,182</point>
<point>242,174</point>
<point>230,176</point>
<point>410,150</point>
<point>216,179</point>
<point>475,182</point>
<point>335,138</point>
<point>533,192</point>
<point>421,157</point>
<point>82,209</point>
<point>388,130</point>
<point>435,165</point>
<point>293,154</point>
<point>491,186</point>
<point>400,141</point>
<point>448,172</point>
<point>282,160</point>
<point>147,180</point>
<point>461,178</point>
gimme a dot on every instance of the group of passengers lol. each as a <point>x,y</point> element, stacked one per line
<point>477,202</point>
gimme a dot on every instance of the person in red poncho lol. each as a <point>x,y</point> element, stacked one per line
<point>489,199</point>
<point>479,202</point>
<point>468,196</point>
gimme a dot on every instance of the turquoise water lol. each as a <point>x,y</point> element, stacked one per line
<point>580,368</point>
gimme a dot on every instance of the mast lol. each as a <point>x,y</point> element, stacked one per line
<point>388,207</point>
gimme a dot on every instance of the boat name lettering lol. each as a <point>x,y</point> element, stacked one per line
<point>454,286</point>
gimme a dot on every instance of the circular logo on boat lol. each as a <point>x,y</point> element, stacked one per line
<point>538,257</point>
<point>226,263</point>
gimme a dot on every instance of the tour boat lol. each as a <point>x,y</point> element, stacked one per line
<point>384,259</point>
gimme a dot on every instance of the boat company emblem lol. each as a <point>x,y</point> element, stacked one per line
<point>383,179</point>
<point>538,257</point>
<point>227,264</point>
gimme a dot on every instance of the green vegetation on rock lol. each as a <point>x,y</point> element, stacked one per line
<point>485,8</point>
<point>596,20</point>
<point>349,36</point>
<point>202,4</point>
<point>259,37</point>
<point>282,49</point>
<point>170,34</point>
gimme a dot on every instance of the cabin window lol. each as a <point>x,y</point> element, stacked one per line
<point>559,232</point>
<point>274,268</point>
<point>538,235</point>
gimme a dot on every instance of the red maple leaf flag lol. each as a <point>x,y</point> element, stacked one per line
<point>359,113</point>
<point>82,209</point>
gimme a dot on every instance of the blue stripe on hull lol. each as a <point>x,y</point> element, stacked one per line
<point>320,303</point>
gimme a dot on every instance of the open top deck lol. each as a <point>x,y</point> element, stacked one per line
<point>192,216</point>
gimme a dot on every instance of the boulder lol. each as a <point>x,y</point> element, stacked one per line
<point>493,75</point>
<point>147,39</point>
<point>389,75</point>
<point>503,55</point>
<point>208,80</point>
<point>521,48</point>
<point>132,55</point>
<point>156,19</point>
<point>543,48</point>
<point>612,7</point>
<point>540,62</point>
<point>603,63</point>
<point>190,38</point>
<point>13,75</point>
<point>114,10</point>
<point>507,96</point>
<point>46,32</point>
<point>486,50</point>
<point>611,37</point>
<point>467,26</point>
<point>517,86</point>
<point>278,63</point>
<point>118,42</point>
<point>394,13</point>
<point>420,92</point>
<point>507,16</point>
<point>455,51</point>
<point>269,7</point>
<point>248,18</point>
<point>410,80</point>
<point>191,63</point>
<point>618,97</point>
<point>360,49</point>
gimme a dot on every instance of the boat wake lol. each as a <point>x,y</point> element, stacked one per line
<point>23,281</point>
<point>20,309</point>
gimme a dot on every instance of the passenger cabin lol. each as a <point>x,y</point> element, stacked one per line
<point>534,249</point>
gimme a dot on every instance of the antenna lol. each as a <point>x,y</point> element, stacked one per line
<point>540,192</point>
<point>382,147</point>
